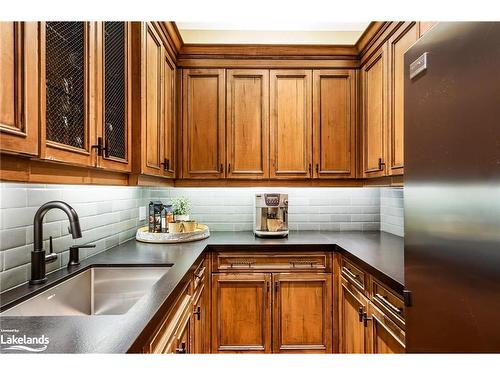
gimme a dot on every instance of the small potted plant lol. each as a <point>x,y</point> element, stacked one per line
<point>182,208</point>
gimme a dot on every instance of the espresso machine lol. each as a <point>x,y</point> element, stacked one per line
<point>271,215</point>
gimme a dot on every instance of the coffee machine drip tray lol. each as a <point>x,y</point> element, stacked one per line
<point>267,234</point>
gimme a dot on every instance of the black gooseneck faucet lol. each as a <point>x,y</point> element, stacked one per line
<point>38,256</point>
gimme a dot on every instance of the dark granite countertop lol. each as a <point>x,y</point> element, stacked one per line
<point>380,253</point>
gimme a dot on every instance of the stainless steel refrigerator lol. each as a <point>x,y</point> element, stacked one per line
<point>452,189</point>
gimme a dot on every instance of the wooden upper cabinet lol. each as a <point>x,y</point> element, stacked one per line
<point>302,319</point>
<point>241,313</point>
<point>374,116</point>
<point>67,90</point>
<point>154,110</point>
<point>247,124</point>
<point>19,87</point>
<point>169,116</point>
<point>334,118</point>
<point>353,338</point>
<point>113,94</point>
<point>291,123</point>
<point>153,126</point>
<point>203,130</point>
<point>403,39</point>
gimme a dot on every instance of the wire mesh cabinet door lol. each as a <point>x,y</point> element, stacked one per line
<point>67,86</point>
<point>113,96</point>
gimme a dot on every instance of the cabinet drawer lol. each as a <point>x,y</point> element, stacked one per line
<point>353,274</point>
<point>200,274</point>
<point>164,340</point>
<point>272,261</point>
<point>388,301</point>
<point>388,337</point>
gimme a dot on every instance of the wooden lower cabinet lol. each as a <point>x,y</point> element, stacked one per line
<point>241,313</point>
<point>173,330</point>
<point>201,318</point>
<point>353,338</point>
<point>272,312</point>
<point>183,335</point>
<point>365,325</point>
<point>385,336</point>
<point>302,313</point>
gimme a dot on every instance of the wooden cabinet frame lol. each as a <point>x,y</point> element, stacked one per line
<point>113,163</point>
<point>189,120</point>
<point>261,281</point>
<point>350,76</point>
<point>19,101</point>
<point>395,132</point>
<point>154,116</point>
<point>380,57</point>
<point>279,340</point>
<point>232,151</point>
<point>385,337</point>
<point>56,151</point>
<point>277,171</point>
<point>346,290</point>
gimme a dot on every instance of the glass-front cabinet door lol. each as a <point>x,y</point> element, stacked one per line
<point>113,95</point>
<point>66,91</point>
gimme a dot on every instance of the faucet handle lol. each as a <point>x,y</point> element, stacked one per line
<point>51,256</point>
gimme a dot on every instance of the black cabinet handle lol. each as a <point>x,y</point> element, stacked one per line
<point>166,164</point>
<point>197,312</point>
<point>106,148</point>
<point>221,170</point>
<point>365,320</point>
<point>360,314</point>
<point>102,147</point>
<point>381,164</point>
<point>182,349</point>
<point>229,168</point>
<point>317,168</point>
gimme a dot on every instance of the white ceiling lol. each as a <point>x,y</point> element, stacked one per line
<point>267,32</point>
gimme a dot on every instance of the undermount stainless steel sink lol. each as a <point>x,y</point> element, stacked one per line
<point>96,291</point>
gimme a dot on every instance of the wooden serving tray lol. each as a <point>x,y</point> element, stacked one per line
<point>201,232</point>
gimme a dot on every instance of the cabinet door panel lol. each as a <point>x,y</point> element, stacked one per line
<point>203,123</point>
<point>386,336</point>
<point>302,320</point>
<point>19,88</point>
<point>67,105</point>
<point>241,313</point>
<point>114,94</point>
<point>374,116</point>
<point>248,123</point>
<point>200,322</point>
<point>352,333</point>
<point>398,44</point>
<point>291,124</point>
<point>153,130</point>
<point>334,123</point>
<point>169,116</point>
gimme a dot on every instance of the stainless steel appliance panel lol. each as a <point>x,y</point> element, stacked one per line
<point>452,190</point>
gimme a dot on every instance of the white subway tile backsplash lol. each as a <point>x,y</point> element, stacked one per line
<point>10,198</point>
<point>391,211</point>
<point>109,215</point>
